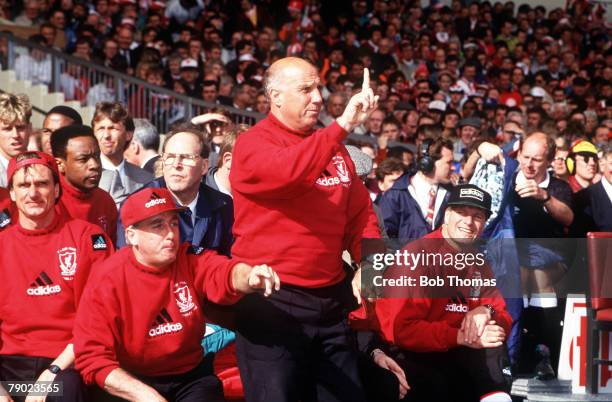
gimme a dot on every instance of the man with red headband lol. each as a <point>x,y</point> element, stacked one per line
<point>138,330</point>
<point>44,266</point>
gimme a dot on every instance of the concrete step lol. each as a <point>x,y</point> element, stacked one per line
<point>7,77</point>
<point>569,398</point>
<point>87,113</point>
<point>52,99</point>
<point>20,86</point>
<point>36,93</point>
<point>527,386</point>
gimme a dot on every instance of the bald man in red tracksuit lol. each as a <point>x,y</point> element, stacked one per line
<point>298,204</point>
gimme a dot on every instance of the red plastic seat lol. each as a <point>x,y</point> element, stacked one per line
<point>599,256</point>
<point>604,315</point>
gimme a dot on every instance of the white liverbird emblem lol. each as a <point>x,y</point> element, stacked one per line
<point>341,169</point>
<point>184,300</point>
<point>67,262</point>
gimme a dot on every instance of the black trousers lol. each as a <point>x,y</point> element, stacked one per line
<point>461,374</point>
<point>26,368</point>
<point>197,385</point>
<point>297,346</point>
<point>380,384</point>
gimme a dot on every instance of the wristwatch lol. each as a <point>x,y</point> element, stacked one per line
<point>491,309</point>
<point>55,369</point>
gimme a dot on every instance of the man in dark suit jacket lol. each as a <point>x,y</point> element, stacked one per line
<point>415,205</point>
<point>468,26</point>
<point>143,149</point>
<point>593,205</point>
<point>207,221</point>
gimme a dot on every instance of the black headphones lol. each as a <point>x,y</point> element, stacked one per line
<point>426,163</point>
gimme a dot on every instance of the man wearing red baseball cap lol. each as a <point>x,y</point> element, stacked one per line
<point>44,266</point>
<point>150,351</point>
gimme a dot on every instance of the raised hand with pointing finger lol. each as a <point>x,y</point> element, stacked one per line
<point>360,106</point>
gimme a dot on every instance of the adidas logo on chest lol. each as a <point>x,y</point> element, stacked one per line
<point>43,286</point>
<point>164,325</point>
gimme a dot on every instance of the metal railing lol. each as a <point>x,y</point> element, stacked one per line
<point>89,83</point>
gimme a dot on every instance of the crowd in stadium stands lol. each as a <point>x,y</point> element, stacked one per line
<point>514,100</point>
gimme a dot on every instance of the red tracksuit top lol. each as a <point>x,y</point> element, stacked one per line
<point>8,210</point>
<point>298,202</point>
<point>96,207</point>
<point>431,324</point>
<point>42,276</point>
<point>149,322</point>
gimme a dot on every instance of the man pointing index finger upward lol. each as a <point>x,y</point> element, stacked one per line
<point>298,205</point>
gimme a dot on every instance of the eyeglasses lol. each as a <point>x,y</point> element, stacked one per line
<point>513,133</point>
<point>183,159</point>
<point>587,156</point>
<point>559,159</point>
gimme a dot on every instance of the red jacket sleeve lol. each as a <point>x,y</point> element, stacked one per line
<point>213,277</point>
<point>113,217</point>
<point>94,257</point>
<point>362,221</point>
<point>94,340</point>
<point>273,170</point>
<point>413,332</point>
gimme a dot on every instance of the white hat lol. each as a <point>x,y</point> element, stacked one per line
<point>189,63</point>
<point>456,88</point>
<point>510,102</point>
<point>246,57</point>
<point>128,21</point>
<point>437,105</point>
<point>442,37</point>
<point>537,92</point>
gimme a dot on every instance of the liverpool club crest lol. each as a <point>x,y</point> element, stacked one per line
<point>183,297</point>
<point>67,262</point>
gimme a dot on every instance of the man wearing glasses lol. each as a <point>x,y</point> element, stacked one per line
<point>208,218</point>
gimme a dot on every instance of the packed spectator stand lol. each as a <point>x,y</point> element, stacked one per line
<point>515,99</point>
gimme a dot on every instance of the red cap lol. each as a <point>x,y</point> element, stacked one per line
<point>295,5</point>
<point>30,158</point>
<point>157,5</point>
<point>128,21</point>
<point>147,203</point>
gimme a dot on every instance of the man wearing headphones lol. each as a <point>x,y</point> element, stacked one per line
<point>412,207</point>
<point>582,164</point>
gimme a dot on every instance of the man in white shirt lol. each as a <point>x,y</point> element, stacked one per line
<point>34,66</point>
<point>15,129</point>
<point>114,128</point>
